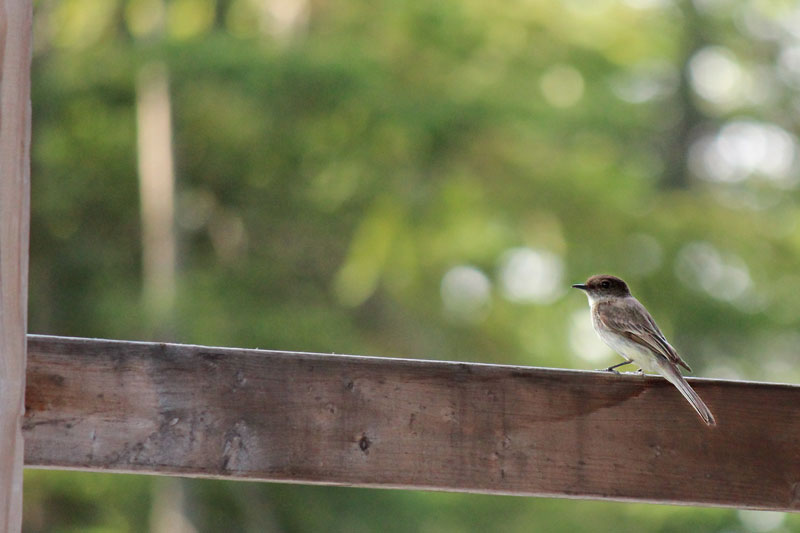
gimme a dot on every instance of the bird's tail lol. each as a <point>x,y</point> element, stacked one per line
<point>673,375</point>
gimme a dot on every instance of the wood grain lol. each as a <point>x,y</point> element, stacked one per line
<point>395,423</point>
<point>15,135</point>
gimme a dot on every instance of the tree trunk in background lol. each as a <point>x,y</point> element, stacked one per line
<point>156,190</point>
<point>689,117</point>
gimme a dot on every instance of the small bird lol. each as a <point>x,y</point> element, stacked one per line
<point>625,325</point>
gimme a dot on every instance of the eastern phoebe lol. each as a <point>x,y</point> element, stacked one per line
<point>625,325</point>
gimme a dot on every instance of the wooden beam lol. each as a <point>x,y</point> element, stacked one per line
<point>397,423</point>
<point>15,135</point>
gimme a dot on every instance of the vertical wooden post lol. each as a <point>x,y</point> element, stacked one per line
<point>15,135</point>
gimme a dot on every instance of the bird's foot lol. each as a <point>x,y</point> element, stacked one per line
<point>639,372</point>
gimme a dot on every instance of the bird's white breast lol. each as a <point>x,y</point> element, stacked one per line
<point>633,351</point>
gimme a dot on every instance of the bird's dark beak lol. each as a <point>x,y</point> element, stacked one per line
<point>580,286</point>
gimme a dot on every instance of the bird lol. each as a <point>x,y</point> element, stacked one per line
<point>624,324</point>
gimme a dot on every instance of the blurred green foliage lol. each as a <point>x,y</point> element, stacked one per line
<point>420,179</point>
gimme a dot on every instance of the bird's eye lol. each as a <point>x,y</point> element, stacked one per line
<point>605,284</point>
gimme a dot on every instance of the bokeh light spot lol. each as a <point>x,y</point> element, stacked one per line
<point>723,276</point>
<point>466,293</point>
<point>746,148</point>
<point>583,341</point>
<point>562,86</point>
<point>761,521</point>
<point>716,75</point>
<point>534,276</point>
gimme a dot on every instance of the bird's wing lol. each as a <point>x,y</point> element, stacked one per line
<point>631,319</point>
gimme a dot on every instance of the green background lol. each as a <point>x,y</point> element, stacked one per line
<point>420,179</point>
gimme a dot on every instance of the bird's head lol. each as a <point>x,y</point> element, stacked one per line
<point>603,287</point>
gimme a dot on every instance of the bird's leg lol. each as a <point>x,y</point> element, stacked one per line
<point>611,368</point>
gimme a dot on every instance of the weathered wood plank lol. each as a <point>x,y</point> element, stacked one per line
<point>374,422</point>
<point>15,136</point>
